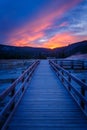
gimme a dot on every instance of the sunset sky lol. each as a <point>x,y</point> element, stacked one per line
<point>42,23</point>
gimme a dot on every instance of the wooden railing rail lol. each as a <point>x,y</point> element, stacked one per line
<point>72,64</point>
<point>10,98</point>
<point>76,87</point>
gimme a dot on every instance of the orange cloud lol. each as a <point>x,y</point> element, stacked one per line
<point>60,40</point>
<point>57,40</point>
<point>26,40</point>
<point>30,32</point>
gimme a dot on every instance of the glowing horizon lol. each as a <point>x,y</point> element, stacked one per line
<point>45,24</point>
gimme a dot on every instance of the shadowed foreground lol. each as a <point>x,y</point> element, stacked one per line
<point>47,105</point>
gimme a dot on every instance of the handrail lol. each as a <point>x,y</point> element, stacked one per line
<point>72,63</point>
<point>15,94</point>
<point>12,86</point>
<point>71,75</point>
<point>67,79</point>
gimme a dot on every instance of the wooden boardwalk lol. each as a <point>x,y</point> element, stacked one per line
<point>47,105</point>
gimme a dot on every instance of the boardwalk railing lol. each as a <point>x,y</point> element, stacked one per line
<point>76,87</point>
<point>11,97</point>
<point>72,64</point>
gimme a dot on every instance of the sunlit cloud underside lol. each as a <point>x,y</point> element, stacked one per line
<point>43,23</point>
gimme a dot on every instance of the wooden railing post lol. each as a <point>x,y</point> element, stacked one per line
<point>13,90</point>
<point>62,76</point>
<point>83,94</point>
<point>82,104</point>
<point>82,89</point>
<point>72,64</point>
<point>22,79</point>
<point>69,79</point>
<point>83,65</point>
<point>27,73</point>
<point>22,88</point>
<point>12,94</point>
<point>12,106</point>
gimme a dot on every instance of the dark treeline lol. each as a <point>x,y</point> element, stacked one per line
<point>11,52</point>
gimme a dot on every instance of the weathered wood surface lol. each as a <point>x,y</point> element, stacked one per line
<point>72,64</point>
<point>76,87</point>
<point>47,105</point>
<point>10,98</point>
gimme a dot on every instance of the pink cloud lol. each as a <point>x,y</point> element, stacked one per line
<point>62,39</point>
<point>30,32</point>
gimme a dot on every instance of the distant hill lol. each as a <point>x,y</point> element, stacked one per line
<point>12,52</point>
<point>78,56</point>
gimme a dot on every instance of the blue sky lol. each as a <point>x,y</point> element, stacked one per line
<point>42,23</point>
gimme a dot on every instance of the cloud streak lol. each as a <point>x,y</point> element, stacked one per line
<point>48,28</point>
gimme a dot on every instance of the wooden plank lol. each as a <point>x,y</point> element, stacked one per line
<point>8,109</point>
<point>81,100</point>
<point>47,105</point>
